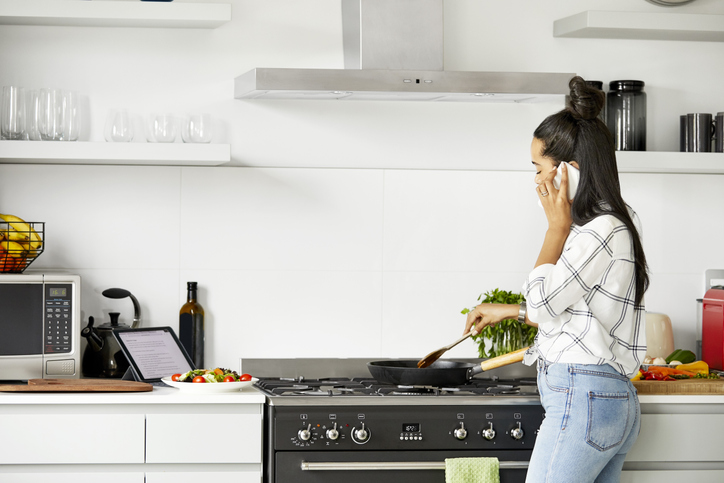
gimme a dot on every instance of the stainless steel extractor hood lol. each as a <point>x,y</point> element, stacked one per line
<point>393,50</point>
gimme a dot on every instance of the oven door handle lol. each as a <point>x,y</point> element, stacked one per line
<point>393,465</point>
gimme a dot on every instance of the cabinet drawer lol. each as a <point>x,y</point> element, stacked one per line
<point>662,435</point>
<point>73,477</point>
<point>71,438</point>
<point>196,477</point>
<point>199,438</point>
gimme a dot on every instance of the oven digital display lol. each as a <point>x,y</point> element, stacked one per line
<point>411,428</point>
<point>58,292</point>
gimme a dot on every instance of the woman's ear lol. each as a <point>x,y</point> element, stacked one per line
<point>574,164</point>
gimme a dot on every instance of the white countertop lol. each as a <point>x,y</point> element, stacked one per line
<point>159,395</point>
<point>696,399</point>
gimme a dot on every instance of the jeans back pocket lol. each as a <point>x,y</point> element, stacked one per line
<point>608,415</point>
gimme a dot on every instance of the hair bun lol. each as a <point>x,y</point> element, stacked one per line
<point>585,102</point>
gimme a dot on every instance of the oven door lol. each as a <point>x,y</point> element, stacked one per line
<point>386,466</point>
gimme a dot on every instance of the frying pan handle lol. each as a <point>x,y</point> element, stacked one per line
<point>500,361</point>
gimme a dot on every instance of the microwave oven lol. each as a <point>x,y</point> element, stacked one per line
<point>39,326</point>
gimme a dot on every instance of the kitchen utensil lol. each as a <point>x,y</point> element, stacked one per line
<point>77,385</point>
<point>119,293</point>
<point>119,126</point>
<point>719,135</point>
<point>700,132</point>
<point>435,355</point>
<point>659,335</point>
<point>681,386</point>
<point>440,373</point>
<point>198,128</point>
<point>13,113</point>
<point>103,356</point>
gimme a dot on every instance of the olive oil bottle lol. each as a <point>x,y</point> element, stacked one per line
<point>191,326</point>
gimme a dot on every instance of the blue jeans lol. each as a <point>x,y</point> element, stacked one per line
<point>592,419</point>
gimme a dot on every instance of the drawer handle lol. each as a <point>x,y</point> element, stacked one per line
<point>392,465</point>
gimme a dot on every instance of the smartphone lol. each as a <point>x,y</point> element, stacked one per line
<point>573,176</point>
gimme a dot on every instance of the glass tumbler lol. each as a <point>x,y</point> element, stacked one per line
<point>70,114</point>
<point>198,128</point>
<point>162,128</point>
<point>13,113</point>
<point>626,114</point>
<point>50,114</point>
<point>32,114</point>
<point>119,126</point>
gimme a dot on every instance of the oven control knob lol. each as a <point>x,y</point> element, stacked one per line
<point>489,433</point>
<point>517,433</point>
<point>333,434</point>
<point>305,434</point>
<point>461,433</point>
<point>360,436</point>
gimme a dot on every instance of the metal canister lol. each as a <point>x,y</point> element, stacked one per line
<point>626,114</point>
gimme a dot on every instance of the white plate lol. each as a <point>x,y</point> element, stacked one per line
<point>209,387</point>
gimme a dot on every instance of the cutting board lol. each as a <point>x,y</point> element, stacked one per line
<point>77,385</point>
<point>682,386</point>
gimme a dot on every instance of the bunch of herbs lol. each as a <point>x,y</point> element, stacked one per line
<point>506,336</point>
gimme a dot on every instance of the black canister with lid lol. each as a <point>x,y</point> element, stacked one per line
<point>626,114</point>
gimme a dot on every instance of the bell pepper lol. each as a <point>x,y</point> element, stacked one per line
<point>670,371</point>
<point>698,367</point>
<point>638,376</point>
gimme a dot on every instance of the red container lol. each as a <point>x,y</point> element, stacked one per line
<point>712,328</point>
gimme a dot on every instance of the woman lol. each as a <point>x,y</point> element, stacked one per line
<point>586,296</point>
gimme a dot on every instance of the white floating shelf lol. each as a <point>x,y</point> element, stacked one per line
<point>669,162</point>
<point>152,154</point>
<point>77,13</point>
<point>597,24</point>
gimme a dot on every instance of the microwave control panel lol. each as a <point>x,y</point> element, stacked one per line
<point>58,318</point>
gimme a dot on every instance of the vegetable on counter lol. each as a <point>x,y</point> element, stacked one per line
<point>682,355</point>
<point>698,367</point>
<point>211,375</point>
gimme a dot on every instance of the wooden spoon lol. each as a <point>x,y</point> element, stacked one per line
<point>435,355</point>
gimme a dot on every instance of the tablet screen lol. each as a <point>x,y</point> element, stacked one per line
<point>154,352</point>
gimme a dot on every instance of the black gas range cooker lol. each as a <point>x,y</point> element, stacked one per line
<point>346,426</point>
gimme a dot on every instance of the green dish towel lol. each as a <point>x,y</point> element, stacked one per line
<point>472,470</point>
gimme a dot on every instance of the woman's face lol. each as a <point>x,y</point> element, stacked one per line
<point>544,166</point>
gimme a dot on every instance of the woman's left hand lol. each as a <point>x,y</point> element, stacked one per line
<point>555,202</point>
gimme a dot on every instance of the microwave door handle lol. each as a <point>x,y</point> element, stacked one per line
<point>392,465</point>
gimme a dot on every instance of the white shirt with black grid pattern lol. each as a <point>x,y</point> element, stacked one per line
<point>584,304</point>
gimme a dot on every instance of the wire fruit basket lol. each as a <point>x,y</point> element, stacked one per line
<point>20,244</point>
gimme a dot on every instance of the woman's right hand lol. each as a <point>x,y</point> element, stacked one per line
<point>490,314</point>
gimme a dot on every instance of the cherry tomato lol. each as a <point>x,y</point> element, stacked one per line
<point>175,377</point>
<point>199,379</point>
<point>229,379</point>
<point>245,377</point>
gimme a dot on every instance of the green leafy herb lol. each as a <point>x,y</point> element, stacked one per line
<point>506,336</point>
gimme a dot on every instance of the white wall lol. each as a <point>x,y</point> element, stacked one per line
<point>345,229</point>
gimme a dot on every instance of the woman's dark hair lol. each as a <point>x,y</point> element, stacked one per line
<point>577,134</point>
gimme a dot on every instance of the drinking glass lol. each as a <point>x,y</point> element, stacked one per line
<point>161,128</point>
<point>32,114</point>
<point>70,116</point>
<point>198,128</point>
<point>50,114</point>
<point>13,113</point>
<point>119,126</point>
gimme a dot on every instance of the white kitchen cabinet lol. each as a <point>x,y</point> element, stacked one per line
<point>48,437</point>
<point>80,13</point>
<point>595,24</point>
<point>673,476</point>
<point>167,440</point>
<point>56,477</point>
<point>161,436</point>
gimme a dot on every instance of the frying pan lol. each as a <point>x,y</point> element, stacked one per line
<point>440,373</point>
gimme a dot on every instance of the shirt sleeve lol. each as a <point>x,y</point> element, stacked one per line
<point>551,289</point>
